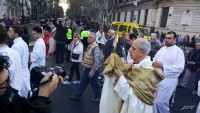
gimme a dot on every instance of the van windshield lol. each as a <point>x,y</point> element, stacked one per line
<point>122,28</point>
<point>144,32</point>
<point>114,27</point>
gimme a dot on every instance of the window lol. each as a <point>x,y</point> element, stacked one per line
<point>114,27</point>
<point>129,29</point>
<point>145,17</point>
<point>118,17</point>
<point>138,17</point>
<point>122,28</point>
<point>144,32</point>
<point>135,31</point>
<point>125,17</point>
<point>132,16</point>
<point>113,16</point>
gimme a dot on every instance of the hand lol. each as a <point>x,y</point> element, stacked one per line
<point>192,62</point>
<point>47,57</point>
<point>91,74</point>
<point>72,42</point>
<point>158,64</point>
<point>48,88</point>
<point>118,73</point>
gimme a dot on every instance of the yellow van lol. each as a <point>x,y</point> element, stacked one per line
<point>127,27</point>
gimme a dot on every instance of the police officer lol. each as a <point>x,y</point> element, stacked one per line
<point>91,63</point>
<point>84,35</point>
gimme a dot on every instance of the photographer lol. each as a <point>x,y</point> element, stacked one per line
<point>11,102</point>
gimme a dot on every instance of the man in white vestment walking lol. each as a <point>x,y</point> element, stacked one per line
<point>15,69</point>
<point>169,61</point>
<point>39,50</point>
<point>15,31</point>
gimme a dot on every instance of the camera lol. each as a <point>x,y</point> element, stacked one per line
<point>38,73</point>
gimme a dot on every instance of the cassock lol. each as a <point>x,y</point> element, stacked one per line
<point>22,48</point>
<point>15,70</point>
<point>38,54</point>
<point>132,93</point>
<point>173,64</point>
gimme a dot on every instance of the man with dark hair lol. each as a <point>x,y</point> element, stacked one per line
<point>39,49</point>
<point>15,62</point>
<point>11,102</point>
<point>61,40</point>
<point>169,61</point>
<point>7,22</point>
<point>49,43</point>
<point>129,40</point>
<point>15,32</point>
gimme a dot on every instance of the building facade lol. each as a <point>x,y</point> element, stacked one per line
<point>164,15</point>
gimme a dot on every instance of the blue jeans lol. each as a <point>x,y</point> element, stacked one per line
<point>85,80</point>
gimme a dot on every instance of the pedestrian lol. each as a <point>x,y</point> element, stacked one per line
<point>15,68</point>
<point>155,46</point>
<point>76,48</point>
<point>84,37</point>
<point>15,32</point>
<point>61,40</point>
<point>169,61</point>
<point>193,41</point>
<point>192,68</point>
<point>129,40</point>
<point>109,44</point>
<point>91,63</point>
<point>37,57</point>
<point>25,35</point>
<point>7,22</point>
<point>101,39</point>
<point>130,88</point>
<point>50,46</point>
<point>70,34</point>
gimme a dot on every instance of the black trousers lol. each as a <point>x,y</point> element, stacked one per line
<point>60,47</point>
<point>74,67</point>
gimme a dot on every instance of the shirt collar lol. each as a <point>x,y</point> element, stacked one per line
<point>17,39</point>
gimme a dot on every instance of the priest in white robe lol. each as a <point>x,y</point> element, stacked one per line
<point>131,90</point>
<point>15,70</point>
<point>39,49</point>
<point>169,61</point>
<point>22,48</point>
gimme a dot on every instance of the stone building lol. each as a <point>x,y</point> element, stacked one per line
<point>164,15</point>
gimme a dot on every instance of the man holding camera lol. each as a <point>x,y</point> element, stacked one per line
<point>11,102</point>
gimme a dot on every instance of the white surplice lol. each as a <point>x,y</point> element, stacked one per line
<point>15,69</point>
<point>173,64</point>
<point>113,93</point>
<point>22,48</point>
<point>38,54</point>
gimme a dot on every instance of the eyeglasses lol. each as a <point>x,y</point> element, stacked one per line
<point>169,38</point>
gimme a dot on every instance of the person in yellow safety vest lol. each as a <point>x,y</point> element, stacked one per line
<point>69,35</point>
<point>84,36</point>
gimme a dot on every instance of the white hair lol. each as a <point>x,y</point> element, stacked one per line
<point>144,45</point>
<point>112,31</point>
<point>93,35</point>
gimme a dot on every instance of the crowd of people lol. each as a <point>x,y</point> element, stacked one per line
<point>139,75</point>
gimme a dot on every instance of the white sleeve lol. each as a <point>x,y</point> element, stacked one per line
<point>69,47</point>
<point>177,67</point>
<point>97,38</point>
<point>36,54</point>
<point>122,88</point>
